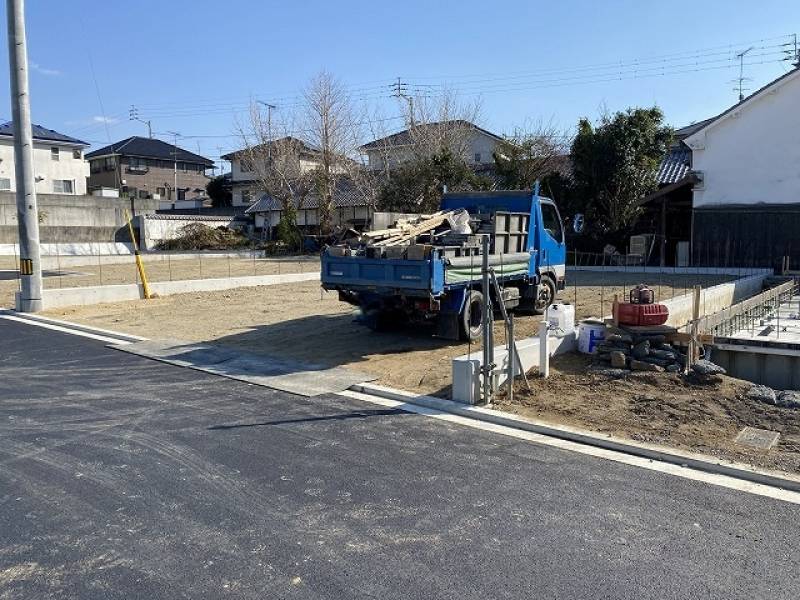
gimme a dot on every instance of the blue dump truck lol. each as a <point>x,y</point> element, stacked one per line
<point>429,269</point>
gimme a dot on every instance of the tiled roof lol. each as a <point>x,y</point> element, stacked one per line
<point>403,138</point>
<point>280,144</point>
<point>345,195</point>
<point>42,133</point>
<point>675,165</point>
<point>150,148</point>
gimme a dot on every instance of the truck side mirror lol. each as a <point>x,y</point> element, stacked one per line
<point>578,223</point>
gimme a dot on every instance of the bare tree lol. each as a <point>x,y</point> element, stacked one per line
<point>534,151</point>
<point>441,122</point>
<point>274,156</point>
<point>330,126</point>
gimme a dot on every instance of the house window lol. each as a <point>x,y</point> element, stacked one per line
<point>143,195</point>
<point>110,164</point>
<point>245,166</point>
<point>5,183</point>
<point>247,196</point>
<point>77,154</point>
<point>96,166</point>
<point>54,155</point>
<point>137,164</point>
<point>162,192</point>
<point>63,186</point>
<point>477,157</point>
<point>181,194</point>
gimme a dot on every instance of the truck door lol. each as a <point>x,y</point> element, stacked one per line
<point>552,250</point>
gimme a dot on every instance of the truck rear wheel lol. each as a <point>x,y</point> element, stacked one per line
<point>472,316</point>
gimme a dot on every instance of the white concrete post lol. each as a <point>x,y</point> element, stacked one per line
<point>544,350</point>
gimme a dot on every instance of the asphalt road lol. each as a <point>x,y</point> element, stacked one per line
<point>126,478</point>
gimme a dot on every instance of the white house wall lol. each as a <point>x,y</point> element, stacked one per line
<point>753,154</point>
<point>479,143</point>
<point>45,168</point>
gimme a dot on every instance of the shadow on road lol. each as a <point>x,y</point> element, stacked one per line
<point>342,417</point>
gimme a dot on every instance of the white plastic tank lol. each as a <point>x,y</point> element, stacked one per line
<point>561,316</point>
<point>590,333</point>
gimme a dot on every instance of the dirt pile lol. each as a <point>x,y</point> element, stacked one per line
<point>660,408</point>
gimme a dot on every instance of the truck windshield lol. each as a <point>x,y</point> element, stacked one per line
<point>552,222</point>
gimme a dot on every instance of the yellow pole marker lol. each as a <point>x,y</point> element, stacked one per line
<point>139,263</point>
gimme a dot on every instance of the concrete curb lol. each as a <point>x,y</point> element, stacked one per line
<point>123,337</point>
<point>692,461</point>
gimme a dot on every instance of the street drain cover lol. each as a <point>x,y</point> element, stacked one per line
<point>763,439</point>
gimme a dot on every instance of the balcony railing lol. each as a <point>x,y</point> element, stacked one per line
<point>136,170</point>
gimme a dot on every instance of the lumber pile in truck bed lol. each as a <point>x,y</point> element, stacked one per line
<point>406,230</point>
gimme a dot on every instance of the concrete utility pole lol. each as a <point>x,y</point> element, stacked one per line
<point>30,264</point>
<point>175,135</point>
<point>270,108</point>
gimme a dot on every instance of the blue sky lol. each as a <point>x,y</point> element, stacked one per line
<point>191,65</point>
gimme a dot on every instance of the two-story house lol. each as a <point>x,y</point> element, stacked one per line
<point>58,162</point>
<point>245,187</point>
<point>149,168</point>
<point>475,144</point>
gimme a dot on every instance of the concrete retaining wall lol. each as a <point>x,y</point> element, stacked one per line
<point>82,296</point>
<point>714,299</point>
<point>74,219</point>
<point>466,368</point>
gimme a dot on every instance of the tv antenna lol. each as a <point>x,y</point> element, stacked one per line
<point>740,87</point>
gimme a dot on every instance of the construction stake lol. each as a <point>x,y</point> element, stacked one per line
<point>139,263</point>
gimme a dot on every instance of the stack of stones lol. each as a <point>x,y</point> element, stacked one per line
<point>640,352</point>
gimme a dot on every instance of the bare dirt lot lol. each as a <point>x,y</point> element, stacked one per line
<point>301,322</point>
<point>165,268</point>
<point>660,408</point>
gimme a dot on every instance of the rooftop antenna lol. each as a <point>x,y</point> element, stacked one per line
<point>134,116</point>
<point>742,78</point>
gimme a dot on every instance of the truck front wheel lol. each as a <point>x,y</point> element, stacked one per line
<point>545,295</point>
<point>472,316</point>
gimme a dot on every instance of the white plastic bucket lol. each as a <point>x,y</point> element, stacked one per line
<point>590,334</point>
<point>561,316</point>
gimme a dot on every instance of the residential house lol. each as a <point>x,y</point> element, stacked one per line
<point>666,220</point>
<point>729,188</point>
<point>143,167</point>
<point>476,144</point>
<point>245,186</point>
<point>351,208</point>
<point>58,162</point>
<point>746,201</point>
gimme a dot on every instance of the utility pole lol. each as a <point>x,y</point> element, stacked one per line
<point>134,116</point>
<point>221,161</point>
<point>400,92</point>
<point>742,78</point>
<point>175,135</point>
<point>270,108</point>
<point>30,264</point>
